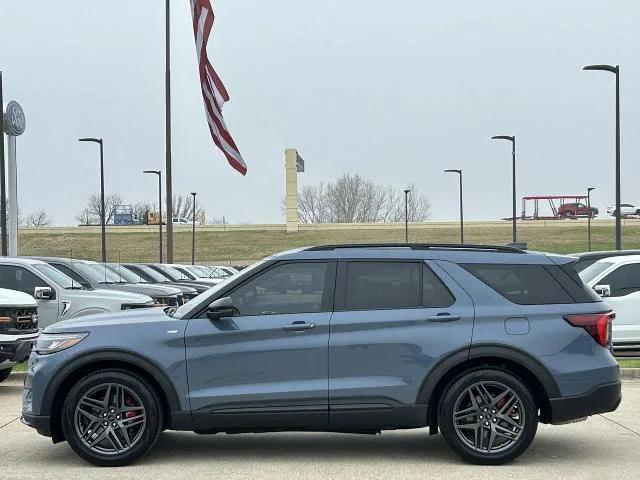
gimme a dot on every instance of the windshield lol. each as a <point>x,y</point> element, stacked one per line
<point>593,270</point>
<point>152,274</point>
<point>172,273</point>
<point>94,275</point>
<point>124,274</point>
<point>196,271</point>
<point>57,276</point>
<point>205,298</point>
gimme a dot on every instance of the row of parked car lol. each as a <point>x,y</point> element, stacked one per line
<point>36,292</point>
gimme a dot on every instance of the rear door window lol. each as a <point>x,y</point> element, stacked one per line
<point>383,285</point>
<point>521,284</point>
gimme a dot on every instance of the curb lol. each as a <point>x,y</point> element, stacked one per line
<point>17,376</point>
<point>630,373</point>
<point>625,374</point>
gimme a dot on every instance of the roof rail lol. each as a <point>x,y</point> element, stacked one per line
<point>421,246</point>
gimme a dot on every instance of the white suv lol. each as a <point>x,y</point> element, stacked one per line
<point>59,297</point>
<point>18,328</point>
<point>626,209</point>
<point>617,280</point>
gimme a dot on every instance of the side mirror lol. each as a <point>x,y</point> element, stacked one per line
<point>221,308</point>
<point>43,293</point>
<point>603,290</point>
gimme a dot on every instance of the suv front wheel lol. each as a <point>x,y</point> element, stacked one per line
<point>488,416</point>
<point>111,418</point>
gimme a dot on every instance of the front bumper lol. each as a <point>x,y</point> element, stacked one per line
<point>42,423</point>
<point>16,351</point>
<point>605,398</point>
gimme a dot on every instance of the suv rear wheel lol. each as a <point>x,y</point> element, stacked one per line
<point>111,418</point>
<point>488,416</point>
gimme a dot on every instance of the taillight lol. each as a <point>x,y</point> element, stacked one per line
<point>598,325</point>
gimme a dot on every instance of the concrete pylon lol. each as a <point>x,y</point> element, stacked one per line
<point>293,165</point>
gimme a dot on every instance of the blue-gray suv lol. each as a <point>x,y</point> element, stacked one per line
<point>478,342</point>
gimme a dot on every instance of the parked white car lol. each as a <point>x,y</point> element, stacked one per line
<point>617,281</point>
<point>625,209</point>
<point>58,296</point>
<point>18,328</point>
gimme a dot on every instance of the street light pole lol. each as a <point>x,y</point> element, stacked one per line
<point>193,231</point>
<point>159,173</point>
<point>512,139</point>
<point>167,130</point>
<point>590,214</point>
<point>102,208</point>
<point>616,71</point>
<point>406,215</point>
<point>459,172</point>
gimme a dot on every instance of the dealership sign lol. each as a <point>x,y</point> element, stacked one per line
<point>14,119</point>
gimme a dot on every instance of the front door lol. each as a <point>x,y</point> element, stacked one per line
<point>624,298</point>
<point>15,277</point>
<point>394,321</point>
<point>265,367</point>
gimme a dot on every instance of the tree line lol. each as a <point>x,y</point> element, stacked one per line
<point>353,199</point>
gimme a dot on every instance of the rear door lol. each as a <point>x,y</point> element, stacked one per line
<point>393,322</point>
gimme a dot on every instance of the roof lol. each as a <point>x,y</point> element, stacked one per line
<point>604,254</point>
<point>22,260</point>
<point>621,259</point>
<point>452,252</point>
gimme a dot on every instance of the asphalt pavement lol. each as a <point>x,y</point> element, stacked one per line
<point>605,446</point>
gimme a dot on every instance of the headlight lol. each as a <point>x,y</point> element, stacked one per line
<point>56,342</point>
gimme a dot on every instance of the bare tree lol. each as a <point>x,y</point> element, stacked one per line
<point>141,209</point>
<point>39,218</point>
<point>183,207</point>
<point>218,221</point>
<point>353,199</point>
<point>90,215</point>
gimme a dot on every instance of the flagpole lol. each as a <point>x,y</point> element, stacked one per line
<point>167,171</point>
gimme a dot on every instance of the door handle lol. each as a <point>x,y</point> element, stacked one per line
<point>444,318</point>
<point>299,327</point>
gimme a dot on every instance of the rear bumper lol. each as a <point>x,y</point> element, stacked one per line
<point>605,398</point>
<point>42,423</point>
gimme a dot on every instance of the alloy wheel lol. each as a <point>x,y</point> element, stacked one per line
<point>489,417</point>
<point>110,419</point>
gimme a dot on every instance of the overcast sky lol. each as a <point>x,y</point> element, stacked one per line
<point>396,91</point>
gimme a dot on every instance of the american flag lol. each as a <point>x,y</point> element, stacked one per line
<point>213,92</point>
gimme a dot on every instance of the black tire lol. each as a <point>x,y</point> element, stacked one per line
<point>638,212</point>
<point>525,411</point>
<point>146,435</point>
<point>4,374</point>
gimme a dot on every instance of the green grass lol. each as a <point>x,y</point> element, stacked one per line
<point>232,246</point>
<point>629,363</point>
<point>20,367</point>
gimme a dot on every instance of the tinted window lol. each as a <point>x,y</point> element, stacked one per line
<point>381,285</point>
<point>522,284</point>
<point>623,280</point>
<point>288,288</point>
<point>20,279</point>
<point>434,292</point>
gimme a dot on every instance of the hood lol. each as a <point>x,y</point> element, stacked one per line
<point>13,298</point>
<point>144,289</point>
<point>89,322</point>
<point>110,295</point>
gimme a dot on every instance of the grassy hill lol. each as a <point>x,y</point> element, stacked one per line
<point>245,245</point>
